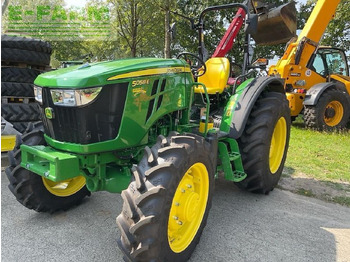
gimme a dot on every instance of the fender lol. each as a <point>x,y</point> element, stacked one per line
<point>247,99</point>
<point>315,92</point>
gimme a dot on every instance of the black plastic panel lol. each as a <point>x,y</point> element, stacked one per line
<point>95,122</point>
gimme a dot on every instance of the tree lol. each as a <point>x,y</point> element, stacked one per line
<point>137,23</point>
<point>65,47</point>
<point>141,28</point>
<point>338,30</point>
<point>15,13</point>
<point>167,6</point>
<point>215,25</point>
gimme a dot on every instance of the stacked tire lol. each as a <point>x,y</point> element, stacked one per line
<point>22,60</point>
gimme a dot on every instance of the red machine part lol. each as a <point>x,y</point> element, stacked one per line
<point>227,41</point>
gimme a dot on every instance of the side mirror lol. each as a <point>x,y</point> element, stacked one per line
<point>172,31</point>
<point>252,27</point>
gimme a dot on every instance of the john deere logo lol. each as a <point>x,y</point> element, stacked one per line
<point>49,112</point>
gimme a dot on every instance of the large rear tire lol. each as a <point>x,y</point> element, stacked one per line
<point>167,204</point>
<point>264,143</point>
<point>19,75</point>
<point>20,112</point>
<point>36,192</point>
<point>18,42</point>
<point>331,112</point>
<point>25,56</point>
<point>21,126</point>
<point>17,89</point>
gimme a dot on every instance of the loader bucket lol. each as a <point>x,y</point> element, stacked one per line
<point>276,26</point>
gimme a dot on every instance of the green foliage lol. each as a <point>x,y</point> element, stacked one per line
<point>216,24</point>
<point>304,13</point>
<point>71,47</point>
<point>345,201</point>
<point>138,24</point>
<point>138,28</point>
<point>338,30</point>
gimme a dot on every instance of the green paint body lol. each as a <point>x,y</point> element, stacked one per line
<point>134,130</point>
<point>96,74</point>
<point>229,154</point>
<point>231,106</point>
<point>106,165</point>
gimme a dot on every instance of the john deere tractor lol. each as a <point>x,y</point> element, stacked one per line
<point>159,131</point>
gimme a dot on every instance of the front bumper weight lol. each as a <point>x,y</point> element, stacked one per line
<point>50,163</point>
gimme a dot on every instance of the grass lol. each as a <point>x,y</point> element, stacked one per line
<point>323,156</point>
<point>305,192</point>
<point>345,201</point>
<point>338,186</point>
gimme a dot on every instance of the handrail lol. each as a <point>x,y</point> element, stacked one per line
<point>207,105</point>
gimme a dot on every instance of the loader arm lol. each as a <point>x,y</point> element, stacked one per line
<point>227,41</point>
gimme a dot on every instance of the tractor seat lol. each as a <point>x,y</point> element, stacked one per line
<point>216,76</point>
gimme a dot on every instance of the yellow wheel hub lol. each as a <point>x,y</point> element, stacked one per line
<point>278,143</point>
<point>64,188</point>
<point>334,113</point>
<point>188,207</point>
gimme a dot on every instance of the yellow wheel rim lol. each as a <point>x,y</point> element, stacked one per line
<point>64,188</point>
<point>334,113</point>
<point>278,143</point>
<point>188,207</point>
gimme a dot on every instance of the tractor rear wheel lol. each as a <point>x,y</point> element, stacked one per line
<point>331,112</point>
<point>167,204</point>
<point>36,192</point>
<point>264,143</point>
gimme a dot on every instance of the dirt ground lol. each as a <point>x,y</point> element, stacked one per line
<point>338,192</point>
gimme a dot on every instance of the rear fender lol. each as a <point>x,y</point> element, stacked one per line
<point>244,103</point>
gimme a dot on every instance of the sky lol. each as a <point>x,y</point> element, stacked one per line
<point>78,3</point>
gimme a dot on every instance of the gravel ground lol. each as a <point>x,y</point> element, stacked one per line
<point>241,227</point>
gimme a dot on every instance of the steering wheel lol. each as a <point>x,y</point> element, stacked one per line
<point>198,67</point>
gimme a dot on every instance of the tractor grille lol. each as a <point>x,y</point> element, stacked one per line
<point>95,122</point>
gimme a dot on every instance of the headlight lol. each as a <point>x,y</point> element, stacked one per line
<point>38,93</point>
<point>74,97</point>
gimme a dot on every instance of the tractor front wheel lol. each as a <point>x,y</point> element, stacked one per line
<point>166,205</point>
<point>264,143</point>
<point>36,192</point>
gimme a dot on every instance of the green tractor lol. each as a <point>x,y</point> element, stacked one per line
<point>159,131</point>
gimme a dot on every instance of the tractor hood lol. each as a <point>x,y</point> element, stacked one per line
<point>102,73</point>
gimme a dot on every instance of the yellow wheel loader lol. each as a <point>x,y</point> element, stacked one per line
<point>316,77</point>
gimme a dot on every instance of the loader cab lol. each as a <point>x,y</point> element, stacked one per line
<point>329,61</point>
